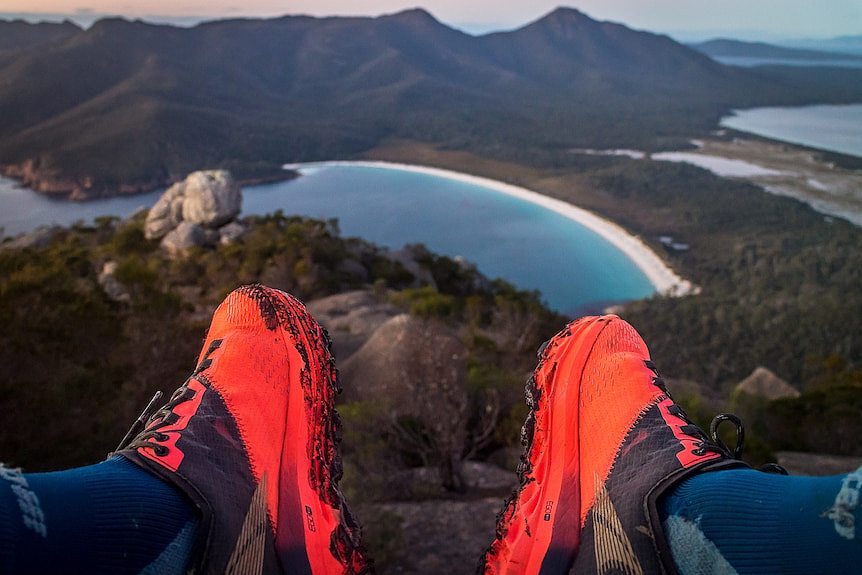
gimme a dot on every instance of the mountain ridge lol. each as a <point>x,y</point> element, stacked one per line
<point>19,34</point>
<point>128,106</point>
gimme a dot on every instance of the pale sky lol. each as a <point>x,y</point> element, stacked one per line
<point>748,18</point>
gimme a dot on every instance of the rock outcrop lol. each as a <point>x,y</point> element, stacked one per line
<point>231,232</point>
<point>212,198</point>
<point>764,384</point>
<point>111,285</point>
<point>166,214</point>
<point>415,371</point>
<point>185,236</point>
<point>199,211</point>
<point>442,536</point>
<point>38,238</point>
<point>351,318</point>
<point>409,363</point>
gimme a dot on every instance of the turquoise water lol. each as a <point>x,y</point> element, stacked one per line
<point>532,247</point>
<point>576,270</point>
<point>833,128</point>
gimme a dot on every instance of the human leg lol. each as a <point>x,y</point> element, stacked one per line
<point>250,440</point>
<point>745,522</point>
<point>110,518</point>
<point>607,449</point>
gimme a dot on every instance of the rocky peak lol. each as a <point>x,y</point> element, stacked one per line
<point>413,15</point>
<point>564,19</point>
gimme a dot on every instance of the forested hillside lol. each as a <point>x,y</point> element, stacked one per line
<point>128,106</point>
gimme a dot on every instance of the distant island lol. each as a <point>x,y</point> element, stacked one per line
<point>124,107</point>
<point>723,47</point>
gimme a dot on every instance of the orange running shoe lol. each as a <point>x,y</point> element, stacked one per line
<point>251,439</point>
<point>603,441</point>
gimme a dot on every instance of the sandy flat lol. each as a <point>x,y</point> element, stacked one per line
<point>782,169</point>
<point>634,154</point>
<point>665,280</point>
<point>725,167</point>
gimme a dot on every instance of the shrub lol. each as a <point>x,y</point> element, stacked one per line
<point>426,302</point>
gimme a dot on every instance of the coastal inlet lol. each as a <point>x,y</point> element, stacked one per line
<point>577,261</point>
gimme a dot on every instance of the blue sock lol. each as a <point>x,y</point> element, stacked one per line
<point>112,517</point>
<point>743,521</point>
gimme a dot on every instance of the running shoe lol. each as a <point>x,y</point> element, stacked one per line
<point>603,442</point>
<point>251,438</point>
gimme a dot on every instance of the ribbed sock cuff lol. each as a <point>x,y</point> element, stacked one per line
<point>113,517</point>
<point>763,523</point>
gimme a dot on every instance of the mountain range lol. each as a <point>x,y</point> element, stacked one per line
<point>127,106</point>
<point>20,35</point>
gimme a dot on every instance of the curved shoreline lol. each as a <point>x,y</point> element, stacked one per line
<point>660,275</point>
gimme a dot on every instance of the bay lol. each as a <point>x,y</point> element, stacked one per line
<point>23,210</point>
<point>831,128</point>
<point>576,270</point>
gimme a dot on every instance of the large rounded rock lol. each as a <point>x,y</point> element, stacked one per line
<point>209,198</point>
<point>231,233</point>
<point>351,318</point>
<point>167,213</point>
<point>185,236</point>
<point>413,367</point>
<point>212,198</point>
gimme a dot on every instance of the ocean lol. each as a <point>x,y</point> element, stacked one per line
<point>575,270</point>
<point>832,128</point>
<point>751,61</point>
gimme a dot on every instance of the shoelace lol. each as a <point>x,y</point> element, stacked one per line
<point>144,432</point>
<point>713,441</point>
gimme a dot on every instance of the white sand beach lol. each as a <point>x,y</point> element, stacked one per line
<point>656,270</point>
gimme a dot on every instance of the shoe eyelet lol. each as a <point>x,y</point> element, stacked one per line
<point>161,437</point>
<point>160,450</point>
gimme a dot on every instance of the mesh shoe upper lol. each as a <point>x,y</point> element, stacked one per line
<point>251,439</point>
<point>603,441</point>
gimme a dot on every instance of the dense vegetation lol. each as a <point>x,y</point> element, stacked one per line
<point>250,95</point>
<point>780,281</point>
<point>780,289</point>
<point>76,367</point>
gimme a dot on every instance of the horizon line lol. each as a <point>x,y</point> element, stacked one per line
<point>85,19</point>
